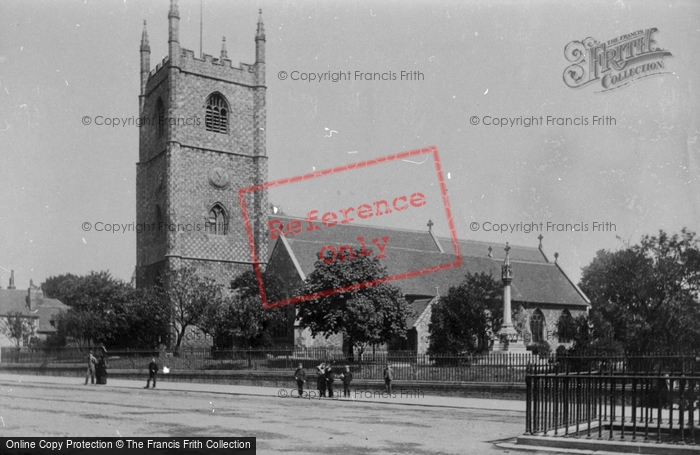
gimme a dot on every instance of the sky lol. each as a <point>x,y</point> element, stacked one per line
<point>477,61</point>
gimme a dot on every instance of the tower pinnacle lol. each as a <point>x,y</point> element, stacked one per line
<point>261,27</point>
<point>144,39</point>
<point>224,54</point>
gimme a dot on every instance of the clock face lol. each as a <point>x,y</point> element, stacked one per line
<point>218,177</point>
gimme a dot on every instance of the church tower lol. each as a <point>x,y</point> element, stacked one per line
<point>202,139</point>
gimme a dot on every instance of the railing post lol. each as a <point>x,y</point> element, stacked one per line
<point>528,397</point>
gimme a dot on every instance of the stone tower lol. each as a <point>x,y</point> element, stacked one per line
<point>201,140</point>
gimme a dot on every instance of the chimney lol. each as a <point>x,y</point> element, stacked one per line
<point>12,280</point>
<point>36,297</point>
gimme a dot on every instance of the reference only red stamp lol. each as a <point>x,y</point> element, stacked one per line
<point>338,231</point>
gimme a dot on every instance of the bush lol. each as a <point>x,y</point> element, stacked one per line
<point>561,351</point>
<point>541,348</point>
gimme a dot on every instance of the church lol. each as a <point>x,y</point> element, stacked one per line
<point>207,141</point>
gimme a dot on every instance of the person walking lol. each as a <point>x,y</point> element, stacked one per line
<point>388,377</point>
<point>102,370</point>
<point>152,371</point>
<point>321,379</point>
<point>92,363</point>
<point>347,379</point>
<point>330,377</point>
<point>300,376</point>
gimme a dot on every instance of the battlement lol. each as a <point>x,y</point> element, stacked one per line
<point>217,68</point>
<point>159,66</point>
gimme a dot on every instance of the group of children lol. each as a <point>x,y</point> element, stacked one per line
<point>325,377</point>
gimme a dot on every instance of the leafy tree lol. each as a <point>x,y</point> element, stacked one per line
<point>370,315</point>
<point>190,298</point>
<point>240,319</point>
<point>53,285</point>
<point>105,310</point>
<point>648,294</point>
<point>16,326</point>
<point>143,319</point>
<point>463,320</point>
<point>95,302</point>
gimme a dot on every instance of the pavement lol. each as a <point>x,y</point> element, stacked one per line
<point>55,406</point>
<point>398,396</point>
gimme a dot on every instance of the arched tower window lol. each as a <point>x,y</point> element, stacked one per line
<point>160,116</point>
<point>537,326</point>
<point>218,221</point>
<point>216,119</point>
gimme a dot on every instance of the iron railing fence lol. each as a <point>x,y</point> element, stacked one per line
<point>406,365</point>
<point>616,403</point>
<point>488,367</point>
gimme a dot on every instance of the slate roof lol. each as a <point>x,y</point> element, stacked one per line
<point>14,300</point>
<point>535,279</point>
<point>418,306</point>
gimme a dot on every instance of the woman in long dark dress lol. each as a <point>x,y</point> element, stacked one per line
<point>102,370</point>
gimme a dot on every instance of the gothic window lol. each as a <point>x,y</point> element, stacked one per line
<point>217,223</point>
<point>216,119</point>
<point>160,117</point>
<point>537,326</point>
<point>565,327</point>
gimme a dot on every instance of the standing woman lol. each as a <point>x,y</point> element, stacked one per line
<point>330,377</point>
<point>321,379</point>
<point>102,370</point>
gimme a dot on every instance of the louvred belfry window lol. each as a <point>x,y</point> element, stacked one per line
<point>217,114</point>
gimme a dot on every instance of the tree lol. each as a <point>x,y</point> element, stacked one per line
<point>240,319</point>
<point>369,315</point>
<point>97,291</point>
<point>191,298</point>
<point>97,301</point>
<point>649,293</point>
<point>144,319</point>
<point>17,326</point>
<point>463,320</point>
<point>53,285</point>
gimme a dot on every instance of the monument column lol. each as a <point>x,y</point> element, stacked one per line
<point>508,339</point>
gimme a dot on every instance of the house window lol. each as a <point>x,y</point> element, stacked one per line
<point>160,117</point>
<point>216,118</point>
<point>537,326</point>
<point>217,223</point>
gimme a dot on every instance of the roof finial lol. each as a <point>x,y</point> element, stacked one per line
<point>144,38</point>
<point>223,50</point>
<point>490,252</point>
<point>507,248</point>
<point>430,225</point>
<point>540,237</point>
<point>556,257</point>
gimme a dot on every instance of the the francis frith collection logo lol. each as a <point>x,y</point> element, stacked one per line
<point>615,63</point>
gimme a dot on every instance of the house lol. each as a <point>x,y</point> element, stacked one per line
<point>32,304</point>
